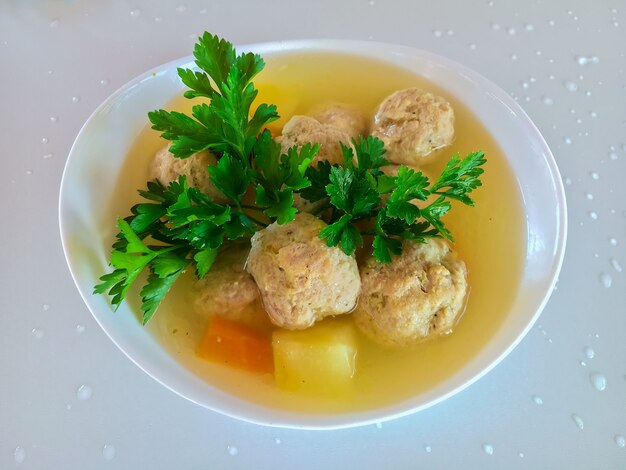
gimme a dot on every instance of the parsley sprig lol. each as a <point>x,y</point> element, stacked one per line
<point>356,191</point>
<point>227,123</point>
<point>177,226</point>
<point>188,225</point>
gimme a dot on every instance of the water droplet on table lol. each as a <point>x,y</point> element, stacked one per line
<point>589,352</point>
<point>38,333</point>
<point>594,175</point>
<point>232,450</point>
<point>570,85</point>
<point>108,452</point>
<point>44,140</point>
<point>277,440</point>
<point>589,196</point>
<point>53,119</point>
<point>19,454</point>
<point>48,156</point>
<point>158,19</point>
<point>616,265</point>
<point>620,440</point>
<point>495,26</point>
<point>84,392</point>
<point>598,381</point>
<point>488,449</point>
<point>547,100</point>
<point>75,99</point>
<point>512,31</point>
<point>54,23</point>
<point>529,27</point>
<point>80,329</point>
<point>437,33</point>
<point>428,449</point>
<point>606,280</point>
<point>538,400</point>
<point>578,421</point>
<point>104,82</point>
<point>135,13</point>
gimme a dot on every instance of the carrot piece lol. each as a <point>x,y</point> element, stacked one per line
<point>237,345</point>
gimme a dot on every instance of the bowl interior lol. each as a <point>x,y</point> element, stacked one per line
<point>98,154</point>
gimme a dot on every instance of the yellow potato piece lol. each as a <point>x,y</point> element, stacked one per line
<point>320,360</point>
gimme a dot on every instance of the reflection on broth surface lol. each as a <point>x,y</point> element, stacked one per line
<point>488,237</point>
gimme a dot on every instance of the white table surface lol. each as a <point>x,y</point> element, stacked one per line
<point>564,62</point>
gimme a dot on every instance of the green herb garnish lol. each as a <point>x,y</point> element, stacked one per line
<point>355,192</point>
<point>187,228</point>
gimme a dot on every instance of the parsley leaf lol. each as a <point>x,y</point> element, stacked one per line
<point>409,186</point>
<point>461,177</point>
<point>319,177</point>
<point>230,177</point>
<point>278,176</point>
<point>343,232</point>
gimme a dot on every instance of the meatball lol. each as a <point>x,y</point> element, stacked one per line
<point>412,123</point>
<point>345,118</point>
<point>227,289</point>
<point>419,294</point>
<point>303,129</point>
<point>167,168</point>
<point>301,280</point>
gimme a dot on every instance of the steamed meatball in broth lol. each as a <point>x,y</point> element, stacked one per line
<point>412,123</point>
<point>418,295</point>
<point>301,130</point>
<point>300,278</point>
<point>167,168</point>
<point>343,117</point>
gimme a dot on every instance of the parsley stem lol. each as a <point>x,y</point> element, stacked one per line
<point>248,206</point>
<point>321,209</point>
<point>256,221</point>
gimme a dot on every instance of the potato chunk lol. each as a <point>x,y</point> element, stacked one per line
<point>320,360</point>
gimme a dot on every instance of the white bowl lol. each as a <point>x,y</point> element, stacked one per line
<point>98,153</point>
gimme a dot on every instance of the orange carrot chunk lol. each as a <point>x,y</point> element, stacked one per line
<point>237,345</point>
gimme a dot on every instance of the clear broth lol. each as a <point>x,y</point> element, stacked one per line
<point>489,238</point>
